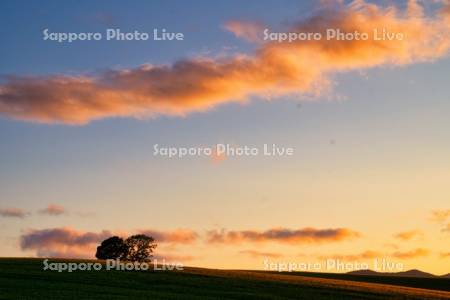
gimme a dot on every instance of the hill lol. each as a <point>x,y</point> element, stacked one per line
<point>409,273</point>
<point>25,279</point>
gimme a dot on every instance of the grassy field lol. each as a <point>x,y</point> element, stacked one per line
<point>24,279</point>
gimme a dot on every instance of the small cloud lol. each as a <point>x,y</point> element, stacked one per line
<point>247,30</point>
<point>283,235</point>
<point>183,236</point>
<point>445,255</point>
<point>254,253</point>
<point>408,235</point>
<point>446,228</point>
<point>217,157</point>
<point>53,210</point>
<point>13,213</point>
<point>369,254</point>
<point>419,252</point>
<point>440,216</point>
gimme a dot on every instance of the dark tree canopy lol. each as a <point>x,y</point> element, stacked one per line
<point>112,248</point>
<point>135,248</point>
<point>140,247</point>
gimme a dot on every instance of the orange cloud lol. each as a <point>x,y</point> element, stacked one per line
<point>283,235</point>
<point>419,252</point>
<point>407,235</point>
<point>53,210</point>
<point>200,84</point>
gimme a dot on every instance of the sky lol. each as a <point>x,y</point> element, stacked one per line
<point>367,121</point>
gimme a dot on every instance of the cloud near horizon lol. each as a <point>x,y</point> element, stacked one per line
<point>62,242</point>
<point>369,254</point>
<point>282,235</point>
<point>67,242</point>
<point>182,236</point>
<point>275,69</point>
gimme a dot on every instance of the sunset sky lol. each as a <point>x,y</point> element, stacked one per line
<point>368,122</point>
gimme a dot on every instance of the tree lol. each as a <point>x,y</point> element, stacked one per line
<point>139,247</point>
<point>112,248</point>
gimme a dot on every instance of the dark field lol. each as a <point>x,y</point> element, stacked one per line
<point>24,279</point>
<point>442,284</point>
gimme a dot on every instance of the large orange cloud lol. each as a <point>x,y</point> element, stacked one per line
<point>199,84</point>
<point>282,235</point>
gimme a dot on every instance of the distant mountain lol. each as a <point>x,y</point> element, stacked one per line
<point>409,273</point>
<point>415,273</point>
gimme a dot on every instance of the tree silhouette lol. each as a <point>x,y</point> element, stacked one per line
<point>139,247</point>
<point>112,248</point>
